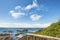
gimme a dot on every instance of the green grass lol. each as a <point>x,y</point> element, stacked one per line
<point>52,30</point>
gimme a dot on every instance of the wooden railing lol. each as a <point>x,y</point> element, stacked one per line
<point>37,37</point>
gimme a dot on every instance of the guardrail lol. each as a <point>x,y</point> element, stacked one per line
<point>37,37</point>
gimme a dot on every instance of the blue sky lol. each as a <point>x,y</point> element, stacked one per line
<point>29,13</point>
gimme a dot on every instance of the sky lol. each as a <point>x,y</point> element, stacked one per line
<point>28,13</point>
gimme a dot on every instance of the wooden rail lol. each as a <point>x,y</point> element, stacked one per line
<point>37,37</point>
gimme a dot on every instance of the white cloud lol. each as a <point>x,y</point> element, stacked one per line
<point>28,7</point>
<point>18,7</point>
<point>12,11</point>
<point>35,0</point>
<point>24,25</point>
<point>16,14</point>
<point>22,11</point>
<point>35,17</point>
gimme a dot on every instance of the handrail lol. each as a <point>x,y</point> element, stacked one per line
<point>39,36</point>
<point>43,36</point>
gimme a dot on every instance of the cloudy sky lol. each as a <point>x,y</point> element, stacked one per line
<point>28,13</point>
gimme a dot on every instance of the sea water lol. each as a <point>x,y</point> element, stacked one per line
<point>30,30</point>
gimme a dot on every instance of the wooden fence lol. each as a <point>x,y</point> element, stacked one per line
<point>37,37</point>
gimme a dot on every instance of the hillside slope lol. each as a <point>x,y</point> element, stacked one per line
<point>52,30</point>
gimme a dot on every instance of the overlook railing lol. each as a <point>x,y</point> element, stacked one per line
<point>37,37</point>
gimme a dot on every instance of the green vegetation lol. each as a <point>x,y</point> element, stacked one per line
<point>52,30</point>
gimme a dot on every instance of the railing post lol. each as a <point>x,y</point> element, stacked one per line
<point>27,37</point>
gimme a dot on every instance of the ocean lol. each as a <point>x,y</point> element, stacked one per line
<point>32,30</point>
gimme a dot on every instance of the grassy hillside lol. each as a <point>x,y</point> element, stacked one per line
<point>52,30</point>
